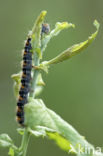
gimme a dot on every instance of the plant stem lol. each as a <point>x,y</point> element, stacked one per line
<point>35,75</point>
<point>26,136</point>
<point>36,31</point>
<point>24,143</point>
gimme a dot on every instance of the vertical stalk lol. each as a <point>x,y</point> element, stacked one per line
<point>35,75</point>
<point>36,42</point>
<point>24,144</point>
<point>26,136</point>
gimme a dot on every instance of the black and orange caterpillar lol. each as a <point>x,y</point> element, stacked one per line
<point>26,76</point>
<point>25,81</point>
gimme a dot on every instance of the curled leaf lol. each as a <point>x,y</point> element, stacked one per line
<point>16,77</point>
<point>36,33</point>
<point>58,28</point>
<point>16,87</point>
<point>75,49</point>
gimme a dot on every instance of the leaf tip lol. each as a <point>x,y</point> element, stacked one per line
<point>15,77</point>
<point>64,25</point>
<point>43,13</point>
<point>96,24</point>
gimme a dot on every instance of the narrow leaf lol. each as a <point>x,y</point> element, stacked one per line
<point>58,28</point>
<point>74,50</point>
<point>36,33</point>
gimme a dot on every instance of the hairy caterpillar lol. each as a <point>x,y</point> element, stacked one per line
<point>25,81</point>
<point>26,76</point>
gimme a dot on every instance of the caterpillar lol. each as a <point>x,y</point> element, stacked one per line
<point>26,76</point>
<point>25,81</point>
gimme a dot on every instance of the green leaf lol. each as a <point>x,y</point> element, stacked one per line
<point>17,82</point>
<point>38,90</point>
<point>21,131</point>
<point>40,81</point>
<point>63,143</point>
<point>36,34</point>
<point>11,152</point>
<point>53,135</point>
<point>74,50</point>
<point>5,140</point>
<point>58,28</point>
<point>37,114</point>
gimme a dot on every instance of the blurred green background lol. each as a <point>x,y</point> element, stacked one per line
<point>74,89</point>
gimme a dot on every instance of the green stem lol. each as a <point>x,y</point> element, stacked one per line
<point>36,33</point>
<point>25,141</point>
<point>35,75</point>
<point>26,136</point>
